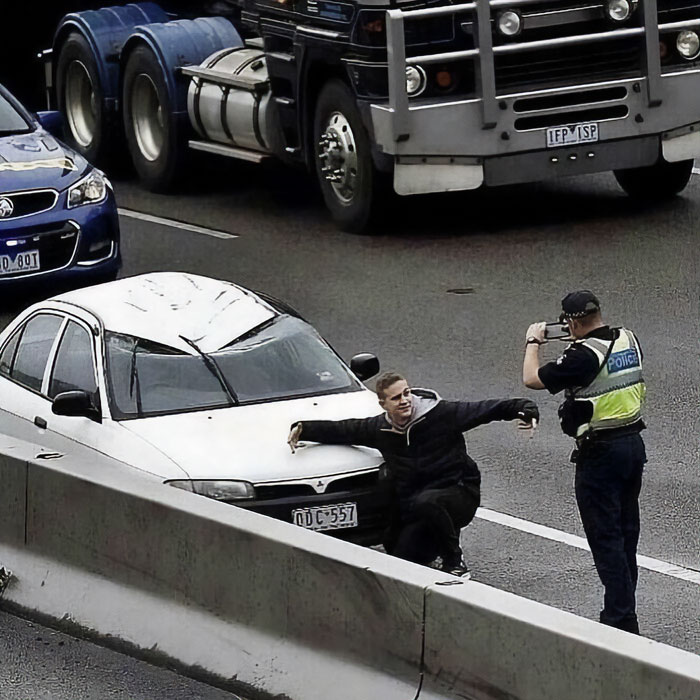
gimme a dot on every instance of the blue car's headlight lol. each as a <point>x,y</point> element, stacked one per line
<point>91,189</point>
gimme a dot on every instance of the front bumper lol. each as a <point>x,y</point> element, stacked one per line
<point>374,507</point>
<point>76,246</point>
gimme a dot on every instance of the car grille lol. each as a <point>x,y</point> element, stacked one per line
<point>28,203</point>
<point>56,244</point>
<point>355,482</point>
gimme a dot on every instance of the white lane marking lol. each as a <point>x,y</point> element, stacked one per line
<point>175,224</point>
<point>550,533</point>
<point>696,171</point>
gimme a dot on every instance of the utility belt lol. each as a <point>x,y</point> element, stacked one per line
<point>603,435</point>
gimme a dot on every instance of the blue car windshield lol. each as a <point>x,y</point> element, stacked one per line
<point>282,359</point>
<point>11,121</point>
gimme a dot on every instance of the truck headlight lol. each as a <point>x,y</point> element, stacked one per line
<point>688,45</point>
<point>90,190</point>
<point>415,80</point>
<point>509,23</point>
<point>218,490</point>
<point>620,10</point>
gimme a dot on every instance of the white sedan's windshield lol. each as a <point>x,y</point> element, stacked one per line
<point>280,360</point>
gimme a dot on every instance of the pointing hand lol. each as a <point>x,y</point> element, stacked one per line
<point>293,438</point>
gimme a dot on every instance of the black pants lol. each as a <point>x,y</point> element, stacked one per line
<point>428,526</point>
<point>608,481</point>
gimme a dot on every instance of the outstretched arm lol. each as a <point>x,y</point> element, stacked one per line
<point>354,431</point>
<point>469,414</point>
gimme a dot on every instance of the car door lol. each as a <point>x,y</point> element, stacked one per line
<point>23,361</point>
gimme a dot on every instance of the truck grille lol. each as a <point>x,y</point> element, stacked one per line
<point>568,65</point>
<point>28,203</point>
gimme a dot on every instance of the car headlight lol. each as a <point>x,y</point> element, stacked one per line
<point>415,80</point>
<point>218,490</point>
<point>91,189</point>
<point>688,45</point>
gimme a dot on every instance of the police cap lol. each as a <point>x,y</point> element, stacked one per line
<point>579,304</point>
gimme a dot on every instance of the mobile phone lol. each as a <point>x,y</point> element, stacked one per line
<point>556,331</point>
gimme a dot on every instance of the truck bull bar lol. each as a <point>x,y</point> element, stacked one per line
<point>485,51</point>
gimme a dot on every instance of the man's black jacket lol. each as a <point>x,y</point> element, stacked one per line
<point>430,452</point>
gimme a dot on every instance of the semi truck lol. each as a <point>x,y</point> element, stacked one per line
<point>416,95</point>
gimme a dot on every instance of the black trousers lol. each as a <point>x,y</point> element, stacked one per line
<point>608,481</point>
<point>428,525</point>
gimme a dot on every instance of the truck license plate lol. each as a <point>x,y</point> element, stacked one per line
<point>571,134</point>
<point>333,517</point>
<point>26,261</point>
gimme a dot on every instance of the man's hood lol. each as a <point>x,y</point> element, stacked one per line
<point>38,160</point>
<point>424,401</point>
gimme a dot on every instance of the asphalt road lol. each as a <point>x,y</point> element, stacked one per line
<point>444,293</point>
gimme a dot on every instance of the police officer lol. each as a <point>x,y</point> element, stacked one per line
<point>601,375</point>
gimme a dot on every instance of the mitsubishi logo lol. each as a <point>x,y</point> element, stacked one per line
<point>320,486</point>
<point>6,207</point>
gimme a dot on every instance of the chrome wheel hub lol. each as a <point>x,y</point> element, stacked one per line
<point>147,117</point>
<point>338,157</point>
<point>81,104</point>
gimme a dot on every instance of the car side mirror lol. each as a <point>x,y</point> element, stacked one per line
<point>76,403</point>
<point>364,365</point>
<point>51,121</point>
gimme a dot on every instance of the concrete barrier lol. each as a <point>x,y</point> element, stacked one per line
<point>260,604</point>
<point>272,610</point>
<point>486,644</point>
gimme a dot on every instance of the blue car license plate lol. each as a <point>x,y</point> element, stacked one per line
<point>25,261</point>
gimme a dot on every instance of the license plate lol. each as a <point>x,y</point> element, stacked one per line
<point>26,261</point>
<point>572,134</point>
<point>333,517</point>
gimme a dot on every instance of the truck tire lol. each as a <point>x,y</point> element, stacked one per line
<point>659,181</point>
<point>154,136</point>
<point>80,99</point>
<point>343,158</point>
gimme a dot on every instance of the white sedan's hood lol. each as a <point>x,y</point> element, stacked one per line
<point>250,442</point>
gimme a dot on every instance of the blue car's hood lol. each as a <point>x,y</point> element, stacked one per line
<point>38,160</point>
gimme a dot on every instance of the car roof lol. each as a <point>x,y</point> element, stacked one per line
<point>162,306</point>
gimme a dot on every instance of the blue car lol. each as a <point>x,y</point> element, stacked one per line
<point>58,218</point>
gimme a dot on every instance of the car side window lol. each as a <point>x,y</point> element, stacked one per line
<point>34,349</point>
<point>74,367</point>
<point>8,354</point>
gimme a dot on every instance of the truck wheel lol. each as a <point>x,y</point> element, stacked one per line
<point>155,142</point>
<point>659,181</point>
<point>80,100</point>
<point>343,158</point>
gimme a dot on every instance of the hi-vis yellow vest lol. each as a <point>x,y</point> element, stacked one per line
<point>617,393</point>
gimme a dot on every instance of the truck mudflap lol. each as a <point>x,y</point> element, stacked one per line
<point>106,30</point>
<point>517,131</point>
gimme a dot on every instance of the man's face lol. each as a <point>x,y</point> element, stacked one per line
<point>397,401</point>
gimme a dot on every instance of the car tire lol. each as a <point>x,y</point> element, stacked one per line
<point>155,137</point>
<point>89,128</point>
<point>342,149</point>
<point>655,182</point>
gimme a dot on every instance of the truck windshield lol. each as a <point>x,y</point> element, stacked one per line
<point>11,121</point>
<point>282,359</point>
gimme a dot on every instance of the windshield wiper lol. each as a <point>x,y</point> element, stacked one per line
<point>134,381</point>
<point>215,370</point>
<point>14,132</point>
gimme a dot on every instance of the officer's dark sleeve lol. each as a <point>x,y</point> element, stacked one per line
<point>469,414</point>
<point>578,366</point>
<point>354,431</point>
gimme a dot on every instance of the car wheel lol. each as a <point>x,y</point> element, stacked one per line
<point>659,181</point>
<point>154,135</point>
<point>343,158</point>
<point>88,127</point>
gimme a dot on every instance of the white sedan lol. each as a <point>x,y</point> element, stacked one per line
<point>197,382</point>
